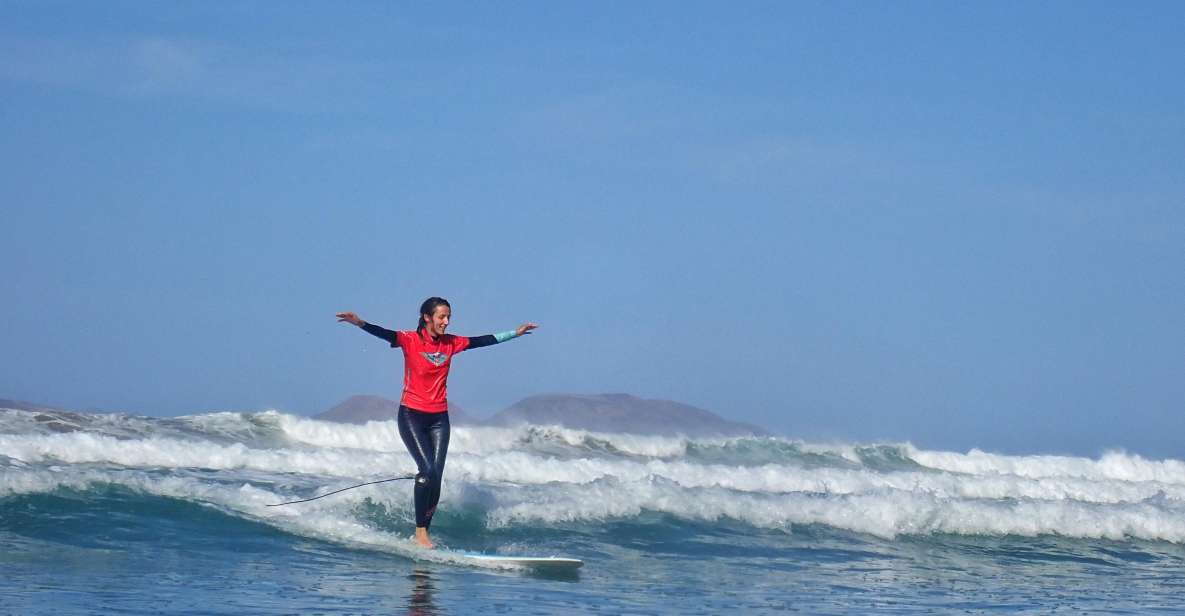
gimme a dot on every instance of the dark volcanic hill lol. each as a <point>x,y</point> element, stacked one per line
<point>620,413</point>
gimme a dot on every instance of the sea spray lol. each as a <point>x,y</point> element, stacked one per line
<point>549,475</point>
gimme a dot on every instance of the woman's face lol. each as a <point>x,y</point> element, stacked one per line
<point>438,321</point>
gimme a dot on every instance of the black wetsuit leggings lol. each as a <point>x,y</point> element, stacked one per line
<point>426,438</point>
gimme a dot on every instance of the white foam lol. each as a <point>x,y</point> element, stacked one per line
<point>84,447</point>
<point>888,513</point>
<point>384,436</point>
<point>329,521</point>
<point>519,467</point>
<point>531,475</point>
<point>1112,465</point>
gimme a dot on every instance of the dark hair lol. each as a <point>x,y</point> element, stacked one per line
<point>429,308</point>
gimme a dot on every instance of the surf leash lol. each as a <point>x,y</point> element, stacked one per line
<point>343,490</point>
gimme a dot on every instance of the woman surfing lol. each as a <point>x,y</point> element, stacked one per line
<point>423,409</point>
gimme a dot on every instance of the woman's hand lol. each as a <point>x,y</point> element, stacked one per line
<point>349,317</point>
<point>524,329</point>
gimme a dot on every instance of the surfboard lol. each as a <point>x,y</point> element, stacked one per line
<point>536,562</point>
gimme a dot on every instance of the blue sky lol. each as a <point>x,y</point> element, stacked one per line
<point>959,224</point>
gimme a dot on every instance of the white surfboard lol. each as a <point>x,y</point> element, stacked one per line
<point>538,562</point>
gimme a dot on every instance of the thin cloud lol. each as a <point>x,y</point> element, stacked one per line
<point>679,131</point>
<point>200,70</point>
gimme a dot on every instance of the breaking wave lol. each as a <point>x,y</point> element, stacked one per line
<point>540,477</point>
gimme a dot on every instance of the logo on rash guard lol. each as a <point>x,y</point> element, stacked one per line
<point>436,358</point>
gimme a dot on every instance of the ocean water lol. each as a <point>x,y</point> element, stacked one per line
<point>135,515</point>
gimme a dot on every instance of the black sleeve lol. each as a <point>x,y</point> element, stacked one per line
<point>385,334</point>
<point>476,342</point>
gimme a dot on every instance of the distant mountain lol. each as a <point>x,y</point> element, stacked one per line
<point>620,413</point>
<point>54,418</point>
<point>361,409</point>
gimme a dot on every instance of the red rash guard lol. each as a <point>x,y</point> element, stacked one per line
<point>426,361</point>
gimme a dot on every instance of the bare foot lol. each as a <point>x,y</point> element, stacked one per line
<point>422,538</point>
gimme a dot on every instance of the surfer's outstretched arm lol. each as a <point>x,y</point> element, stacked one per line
<point>477,342</point>
<point>374,330</point>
